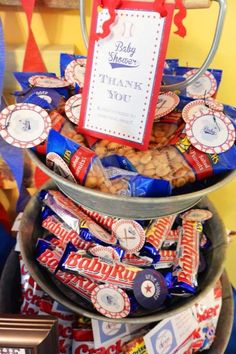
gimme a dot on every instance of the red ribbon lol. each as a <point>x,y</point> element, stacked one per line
<point>179,17</point>
<point>106,27</point>
<point>33,62</point>
<point>159,6</point>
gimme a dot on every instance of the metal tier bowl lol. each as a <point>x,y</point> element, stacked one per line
<point>31,229</point>
<point>129,207</point>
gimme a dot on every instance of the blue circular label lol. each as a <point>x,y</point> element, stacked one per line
<point>150,289</point>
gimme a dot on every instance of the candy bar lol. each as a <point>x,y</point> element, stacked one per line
<point>81,285</point>
<point>75,218</point>
<point>82,340</point>
<point>65,234</point>
<point>187,261</point>
<point>171,240</point>
<point>47,255</point>
<point>31,292</point>
<point>167,259</point>
<point>99,270</point>
<point>158,230</point>
<point>136,345</point>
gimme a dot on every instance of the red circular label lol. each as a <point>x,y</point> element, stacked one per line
<point>204,87</point>
<point>75,71</point>
<point>130,234</point>
<point>167,102</point>
<point>73,107</point>
<point>107,253</point>
<point>47,81</point>
<point>24,125</point>
<point>111,301</point>
<point>211,132</point>
<point>197,215</point>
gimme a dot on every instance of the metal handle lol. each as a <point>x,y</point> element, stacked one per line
<point>211,54</point>
<point>83,22</point>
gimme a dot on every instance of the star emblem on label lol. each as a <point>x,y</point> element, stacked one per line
<point>150,289</point>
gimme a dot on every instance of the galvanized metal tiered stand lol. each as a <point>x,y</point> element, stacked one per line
<point>138,208</point>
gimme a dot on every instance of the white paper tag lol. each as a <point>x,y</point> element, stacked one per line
<point>106,333</point>
<point>124,77</point>
<point>171,334</point>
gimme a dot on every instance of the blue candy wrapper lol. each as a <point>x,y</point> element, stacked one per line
<point>170,66</point>
<point>83,162</point>
<point>53,98</point>
<point>132,184</point>
<point>117,161</point>
<point>169,79</point>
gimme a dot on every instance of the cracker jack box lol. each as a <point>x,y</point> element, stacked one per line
<point>126,58</point>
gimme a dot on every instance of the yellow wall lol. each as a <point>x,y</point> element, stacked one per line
<point>62,27</point>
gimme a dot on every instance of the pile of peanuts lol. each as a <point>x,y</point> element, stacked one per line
<point>69,132</point>
<point>96,179</point>
<point>166,163</point>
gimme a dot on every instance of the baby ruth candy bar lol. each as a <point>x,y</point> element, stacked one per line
<point>52,223</point>
<point>73,216</point>
<point>187,260</point>
<point>99,270</point>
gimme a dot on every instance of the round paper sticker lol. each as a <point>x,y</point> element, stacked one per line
<point>211,132</point>
<point>197,106</point>
<point>24,125</point>
<point>192,108</point>
<point>58,165</point>
<point>130,234</point>
<point>73,107</point>
<point>167,102</point>
<point>204,87</point>
<point>75,72</point>
<point>197,215</point>
<point>47,81</point>
<point>105,252</point>
<point>111,301</point>
<point>214,105</point>
<point>150,289</point>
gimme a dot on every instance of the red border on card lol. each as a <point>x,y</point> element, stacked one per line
<point>134,5</point>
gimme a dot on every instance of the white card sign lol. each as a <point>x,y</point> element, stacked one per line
<point>123,75</point>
